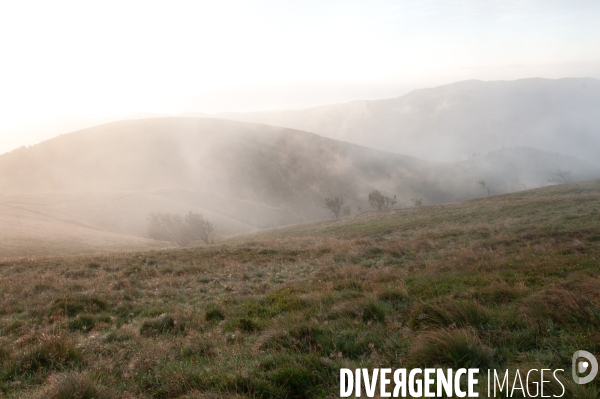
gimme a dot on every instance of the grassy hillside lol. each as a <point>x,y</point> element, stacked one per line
<point>29,229</point>
<point>42,224</point>
<point>510,281</point>
<point>243,177</point>
<point>456,120</point>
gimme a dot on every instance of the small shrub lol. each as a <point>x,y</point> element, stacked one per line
<point>160,325</point>
<point>180,230</point>
<point>451,347</point>
<point>214,315</point>
<point>379,201</point>
<point>336,207</point>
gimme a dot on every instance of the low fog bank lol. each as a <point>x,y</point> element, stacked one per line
<point>241,176</point>
<point>454,121</point>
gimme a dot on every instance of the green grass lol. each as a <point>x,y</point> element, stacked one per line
<point>511,281</point>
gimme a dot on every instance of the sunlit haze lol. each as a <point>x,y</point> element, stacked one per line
<point>111,58</point>
<point>299,198</point>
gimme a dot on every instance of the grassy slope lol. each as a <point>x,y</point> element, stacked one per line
<point>55,224</point>
<point>28,229</point>
<point>507,281</point>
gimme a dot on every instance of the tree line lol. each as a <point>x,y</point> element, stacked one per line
<point>376,199</point>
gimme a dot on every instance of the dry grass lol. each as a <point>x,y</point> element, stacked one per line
<point>507,282</point>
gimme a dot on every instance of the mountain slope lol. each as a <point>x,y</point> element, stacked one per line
<point>241,176</point>
<point>456,120</point>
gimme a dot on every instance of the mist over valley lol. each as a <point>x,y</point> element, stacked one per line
<point>244,177</point>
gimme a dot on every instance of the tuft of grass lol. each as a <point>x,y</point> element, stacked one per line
<point>161,325</point>
<point>214,314</point>
<point>72,305</point>
<point>348,285</point>
<point>373,312</point>
<point>76,385</point>
<point>118,336</point>
<point>293,376</point>
<point>196,351</point>
<point>302,339</point>
<point>285,300</point>
<point>563,307</point>
<point>452,313</point>
<point>248,325</point>
<point>452,348</point>
<point>500,293</point>
<point>396,297</point>
<point>83,322</point>
<point>53,353</point>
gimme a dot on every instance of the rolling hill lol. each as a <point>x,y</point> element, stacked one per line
<point>242,176</point>
<point>457,120</point>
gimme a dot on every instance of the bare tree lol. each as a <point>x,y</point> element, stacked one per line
<point>336,207</point>
<point>200,228</point>
<point>180,230</point>
<point>379,201</point>
<point>483,185</point>
<point>560,177</point>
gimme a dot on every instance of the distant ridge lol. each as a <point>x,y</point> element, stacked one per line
<point>456,120</point>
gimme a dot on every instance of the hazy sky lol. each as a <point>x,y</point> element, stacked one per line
<point>102,58</point>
